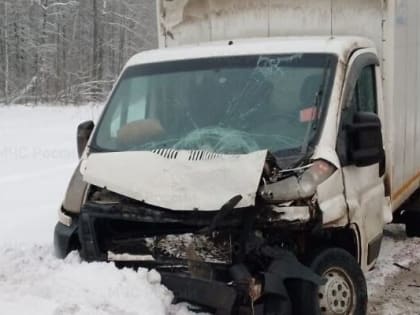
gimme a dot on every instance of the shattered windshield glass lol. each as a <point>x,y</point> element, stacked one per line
<point>228,105</point>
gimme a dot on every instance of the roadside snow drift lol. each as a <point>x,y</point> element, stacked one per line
<point>32,281</point>
<point>37,158</point>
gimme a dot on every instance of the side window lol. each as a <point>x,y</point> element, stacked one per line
<point>364,95</point>
<point>362,99</point>
<point>136,107</point>
<point>127,105</point>
<point>132,105</point>
<point>115,123</point>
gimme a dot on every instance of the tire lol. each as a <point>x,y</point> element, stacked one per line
<point>412,229</point>
<point>344,293</point>
<point>412,223</point>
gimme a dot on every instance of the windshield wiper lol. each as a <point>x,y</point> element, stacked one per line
<point>313,125</point>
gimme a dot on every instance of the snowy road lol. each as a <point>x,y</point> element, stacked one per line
<point>37,157</point>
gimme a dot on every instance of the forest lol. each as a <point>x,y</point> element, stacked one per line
<point>69,51</point>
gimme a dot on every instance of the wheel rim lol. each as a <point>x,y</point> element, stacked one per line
<point>337,295</point>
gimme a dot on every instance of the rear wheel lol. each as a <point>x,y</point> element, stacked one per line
<point>412,229</point>
<point>412,223</point>
<point>343,293</point>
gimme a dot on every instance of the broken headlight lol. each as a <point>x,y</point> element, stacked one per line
<point>103,196</point>
<point>297,187</point>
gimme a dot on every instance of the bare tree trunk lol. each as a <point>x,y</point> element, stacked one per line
<point>6,56</point>
<point>121,55</point>
<point>44,88</point>
<point>98,46</point>
<point>57,81</point>
<point>63,64</point>
<point>95,40</point>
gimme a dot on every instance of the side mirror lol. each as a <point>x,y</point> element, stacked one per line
<point>84,130</point>
<point>365,139</point>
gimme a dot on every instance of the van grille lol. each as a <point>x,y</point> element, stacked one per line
<point>195,155</point>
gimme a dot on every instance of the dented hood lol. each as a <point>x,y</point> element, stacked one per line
<point>178,180</point>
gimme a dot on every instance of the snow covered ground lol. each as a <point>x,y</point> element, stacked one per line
<point>392,289</point>
<point>37,157</point>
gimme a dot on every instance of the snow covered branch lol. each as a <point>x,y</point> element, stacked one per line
<point>69,49</point>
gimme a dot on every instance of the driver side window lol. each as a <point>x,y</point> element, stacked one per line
<point>363,98</point>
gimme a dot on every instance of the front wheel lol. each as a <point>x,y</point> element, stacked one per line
<point>343,293</point>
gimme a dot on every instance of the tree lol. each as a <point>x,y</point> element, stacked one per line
<point>6,55</point>
<point>69,51</point>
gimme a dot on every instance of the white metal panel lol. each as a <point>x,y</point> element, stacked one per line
<point>417,67</point>
<point>340,46</point>
<point>299,17</point>
<point>398,105</point>
<point>359,17</point>
<point>403,108</point>
<point>225,22</point>
<point>411,94</point>
<point>387,83</point>
<point>195,21</point>
<point>179,183</point>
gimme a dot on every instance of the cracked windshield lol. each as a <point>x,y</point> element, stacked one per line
<point>230,105</point>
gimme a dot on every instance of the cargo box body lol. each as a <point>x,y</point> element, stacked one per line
<point>391,24</point>
<point>194,21</point>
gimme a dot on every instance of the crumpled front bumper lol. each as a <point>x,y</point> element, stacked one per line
<point>210,294</point>
<point>227,294</point>
<point>65,239</point>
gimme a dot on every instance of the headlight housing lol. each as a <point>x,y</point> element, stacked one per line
<point>298,187</point>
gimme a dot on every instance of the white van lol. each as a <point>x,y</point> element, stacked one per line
<point>254,159</point>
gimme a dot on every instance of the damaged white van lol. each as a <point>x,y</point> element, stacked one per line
<point>255,171</point>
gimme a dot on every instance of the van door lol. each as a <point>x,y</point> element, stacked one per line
<point>364,186</point>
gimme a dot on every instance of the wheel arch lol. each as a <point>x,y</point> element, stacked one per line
<point>346,238</point>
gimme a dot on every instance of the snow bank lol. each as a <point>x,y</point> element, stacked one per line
<point>37,158</point>
<point>33,281</point>
<point>396,248</point>
<point>389,292</point>
<point>35,137</point>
